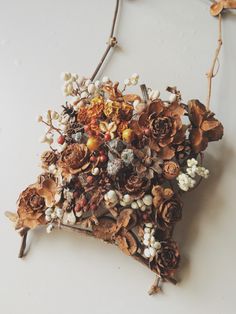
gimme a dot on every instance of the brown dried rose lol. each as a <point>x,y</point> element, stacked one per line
<point>136,185</point>
<point>169,212</point>
<point>31,207</point>
<point>48,158</point>
<point>74,159</point>
<point>205,128</point>
<point>165,127</point>
<point>170,170</point>
<point>168,259</point>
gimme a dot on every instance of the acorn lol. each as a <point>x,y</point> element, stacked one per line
<point>128,135</point>
<point>93,143</point>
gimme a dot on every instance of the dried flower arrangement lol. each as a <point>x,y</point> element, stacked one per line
<point>118,164</point>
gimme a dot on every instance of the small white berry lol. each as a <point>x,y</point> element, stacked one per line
<point>152,239</point>
<point>105,79</point>
<point>48,218</point>
<point>84,95</point>
<point>66,76</point>
<point>127,198</point>
<point>49,228</point>
<point>87,82</point>
<point>147,253</point>
<point>97,84</point>
<point>127,82</point>
<point>134,205</point>
<point>140,203</point>
<point>157,245</point>
<point>147,230</point>
<point>91,88</point>
<point>135,76</point>
<point>59,212</point>
<point>80,80</point>
<point>95,171</point>
<point>149,225</point>
<point>146,242</point>
<point>147,236</point>
<point>172,98</point>
<point>152,251</point>
<point>39,118</point>
<point>143,208</point>
<point>48,211</point>
<point>147,199</point>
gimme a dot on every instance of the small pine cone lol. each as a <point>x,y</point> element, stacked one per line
<point>48,158</point>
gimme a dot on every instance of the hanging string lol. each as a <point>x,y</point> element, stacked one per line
<point>112,41</point>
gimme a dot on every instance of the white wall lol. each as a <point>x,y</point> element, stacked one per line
<point>167,43</point>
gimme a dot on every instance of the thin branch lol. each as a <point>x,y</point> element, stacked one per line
<point>112,42</point>
<point>24,234</point>
<point>211,74</point>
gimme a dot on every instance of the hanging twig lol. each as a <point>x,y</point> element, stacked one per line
<point>211,74</point>
<point>112,42</point>
<point>24,234</point>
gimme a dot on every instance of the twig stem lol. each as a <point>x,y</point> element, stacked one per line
<point>211,74</point>
<point>24,234</point>
<point>112,42</point>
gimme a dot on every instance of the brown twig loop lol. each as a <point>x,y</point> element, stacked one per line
<point>112,42</point>
<point>211,74</point>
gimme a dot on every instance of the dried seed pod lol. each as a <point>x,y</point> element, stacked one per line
<point>105,229</point>
<point>127,243</point>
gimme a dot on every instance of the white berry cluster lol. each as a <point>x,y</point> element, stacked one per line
<point>75,84</point>
<point>152,246</point>
<point>186,180</point>
<point>132,81</point>
<point>53,213</point>
<point>126,200</point>
<point>142,203</point>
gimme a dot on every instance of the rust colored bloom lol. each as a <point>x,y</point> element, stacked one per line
<point>168,259</point>
<point>170,170</point>
<point>169,212</point>
<point>74,159</point>
<point>205,128</point>
<point>165,127</point>
<point>90,112</point>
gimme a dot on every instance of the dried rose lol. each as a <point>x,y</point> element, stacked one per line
<point>74,159</point>
<point>205,128</point>
<point>165,127</point>
<point>170,170</point>
<point>169,212</point>
<point>168,258</point>
<point>31,207</point>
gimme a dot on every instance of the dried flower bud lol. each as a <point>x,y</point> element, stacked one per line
<point>170,170</point>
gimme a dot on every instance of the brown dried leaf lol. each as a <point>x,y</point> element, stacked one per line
<point>105,229</point>
<point>127,243</point>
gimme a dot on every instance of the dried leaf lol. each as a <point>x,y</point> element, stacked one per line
<point>105,229</point>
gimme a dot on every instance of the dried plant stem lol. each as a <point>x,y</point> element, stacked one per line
<point>112,42</point>
<point>76,229</point>
<point>24,234</point>
<point>155,288</point>
<point>211,74</point>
